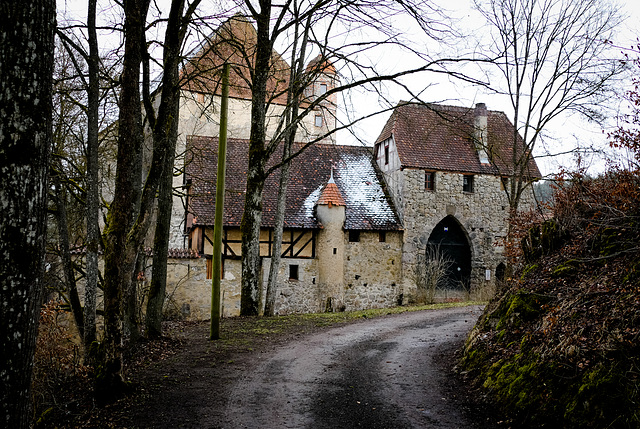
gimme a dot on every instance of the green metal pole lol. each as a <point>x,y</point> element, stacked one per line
<point>217,231</point>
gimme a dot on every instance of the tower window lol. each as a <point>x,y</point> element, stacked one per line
<point>323,88</point>
<point>318,120</point>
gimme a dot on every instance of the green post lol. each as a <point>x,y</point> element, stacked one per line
<point>217,231</point>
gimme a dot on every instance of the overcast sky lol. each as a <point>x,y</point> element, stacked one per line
<point>566,130</point>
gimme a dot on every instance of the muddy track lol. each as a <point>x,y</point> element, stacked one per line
<point>377,374</point>
<point>386,372</point>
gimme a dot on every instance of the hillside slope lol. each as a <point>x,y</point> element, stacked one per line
<point>559,346</point>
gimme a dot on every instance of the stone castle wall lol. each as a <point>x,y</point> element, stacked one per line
<point>372,280</point>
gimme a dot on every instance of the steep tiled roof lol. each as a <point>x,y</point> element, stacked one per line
<point>233,42</point>
<point>439,137</point>
<point>368,206</point>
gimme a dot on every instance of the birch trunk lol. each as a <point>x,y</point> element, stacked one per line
<point>26,70</point>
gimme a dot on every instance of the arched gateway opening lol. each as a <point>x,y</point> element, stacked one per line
<point>449,238</point>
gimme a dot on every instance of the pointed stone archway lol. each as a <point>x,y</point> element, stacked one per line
<point>450,238</point>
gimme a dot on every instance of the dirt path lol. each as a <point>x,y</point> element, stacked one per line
<point>380,373</point>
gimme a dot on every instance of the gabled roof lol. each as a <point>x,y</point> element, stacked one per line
<point>357,177</point>
<point>439,137</point>
<point>234,42</point>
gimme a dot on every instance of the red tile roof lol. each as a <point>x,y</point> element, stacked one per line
<point>357,178</point>
<point>234,42</point>
<point>331,195</point>
<point>438,137</point>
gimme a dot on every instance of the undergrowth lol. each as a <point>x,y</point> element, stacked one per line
<point>559,347</point>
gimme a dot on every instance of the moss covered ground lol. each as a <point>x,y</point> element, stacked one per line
<point>559,346</point>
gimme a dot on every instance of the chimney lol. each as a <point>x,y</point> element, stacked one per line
<point>480,134</point>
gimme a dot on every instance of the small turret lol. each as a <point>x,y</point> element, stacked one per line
<point>330,211</point>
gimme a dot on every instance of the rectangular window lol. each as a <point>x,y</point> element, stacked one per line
<point>386,154</point>
<point>430,180</point>
<point>354,236</point>
<point>318,120</point>
<point>382,236</point>
<point>467,183</point>
<point>210,269</point>
<point>323,88</point>
<point>293,272</point>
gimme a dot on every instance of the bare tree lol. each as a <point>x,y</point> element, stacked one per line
<point>554,59</point>
<point>124,230</point>
<point>431,269</point>
<point>323,23</point>
<point>92,185</point>
<point>165,133</point>
<point>131,211</point>
<point>26,70</point>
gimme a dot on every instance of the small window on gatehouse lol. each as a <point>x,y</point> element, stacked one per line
<point>467,183</point>
<point>430,180</point>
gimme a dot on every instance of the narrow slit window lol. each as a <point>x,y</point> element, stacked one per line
<point>386,154</point>
<point>382,236</point>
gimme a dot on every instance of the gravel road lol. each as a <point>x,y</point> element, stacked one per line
<point>379,373</point>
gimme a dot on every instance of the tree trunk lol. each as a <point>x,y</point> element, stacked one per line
<point>120,254</point>
<point>67,263</point>
<point>26,69</point>
<point>252,216</point>
<point>293,98</point>
<point>165,133</point>
<point>93,201</point>
<point>272,288</point>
